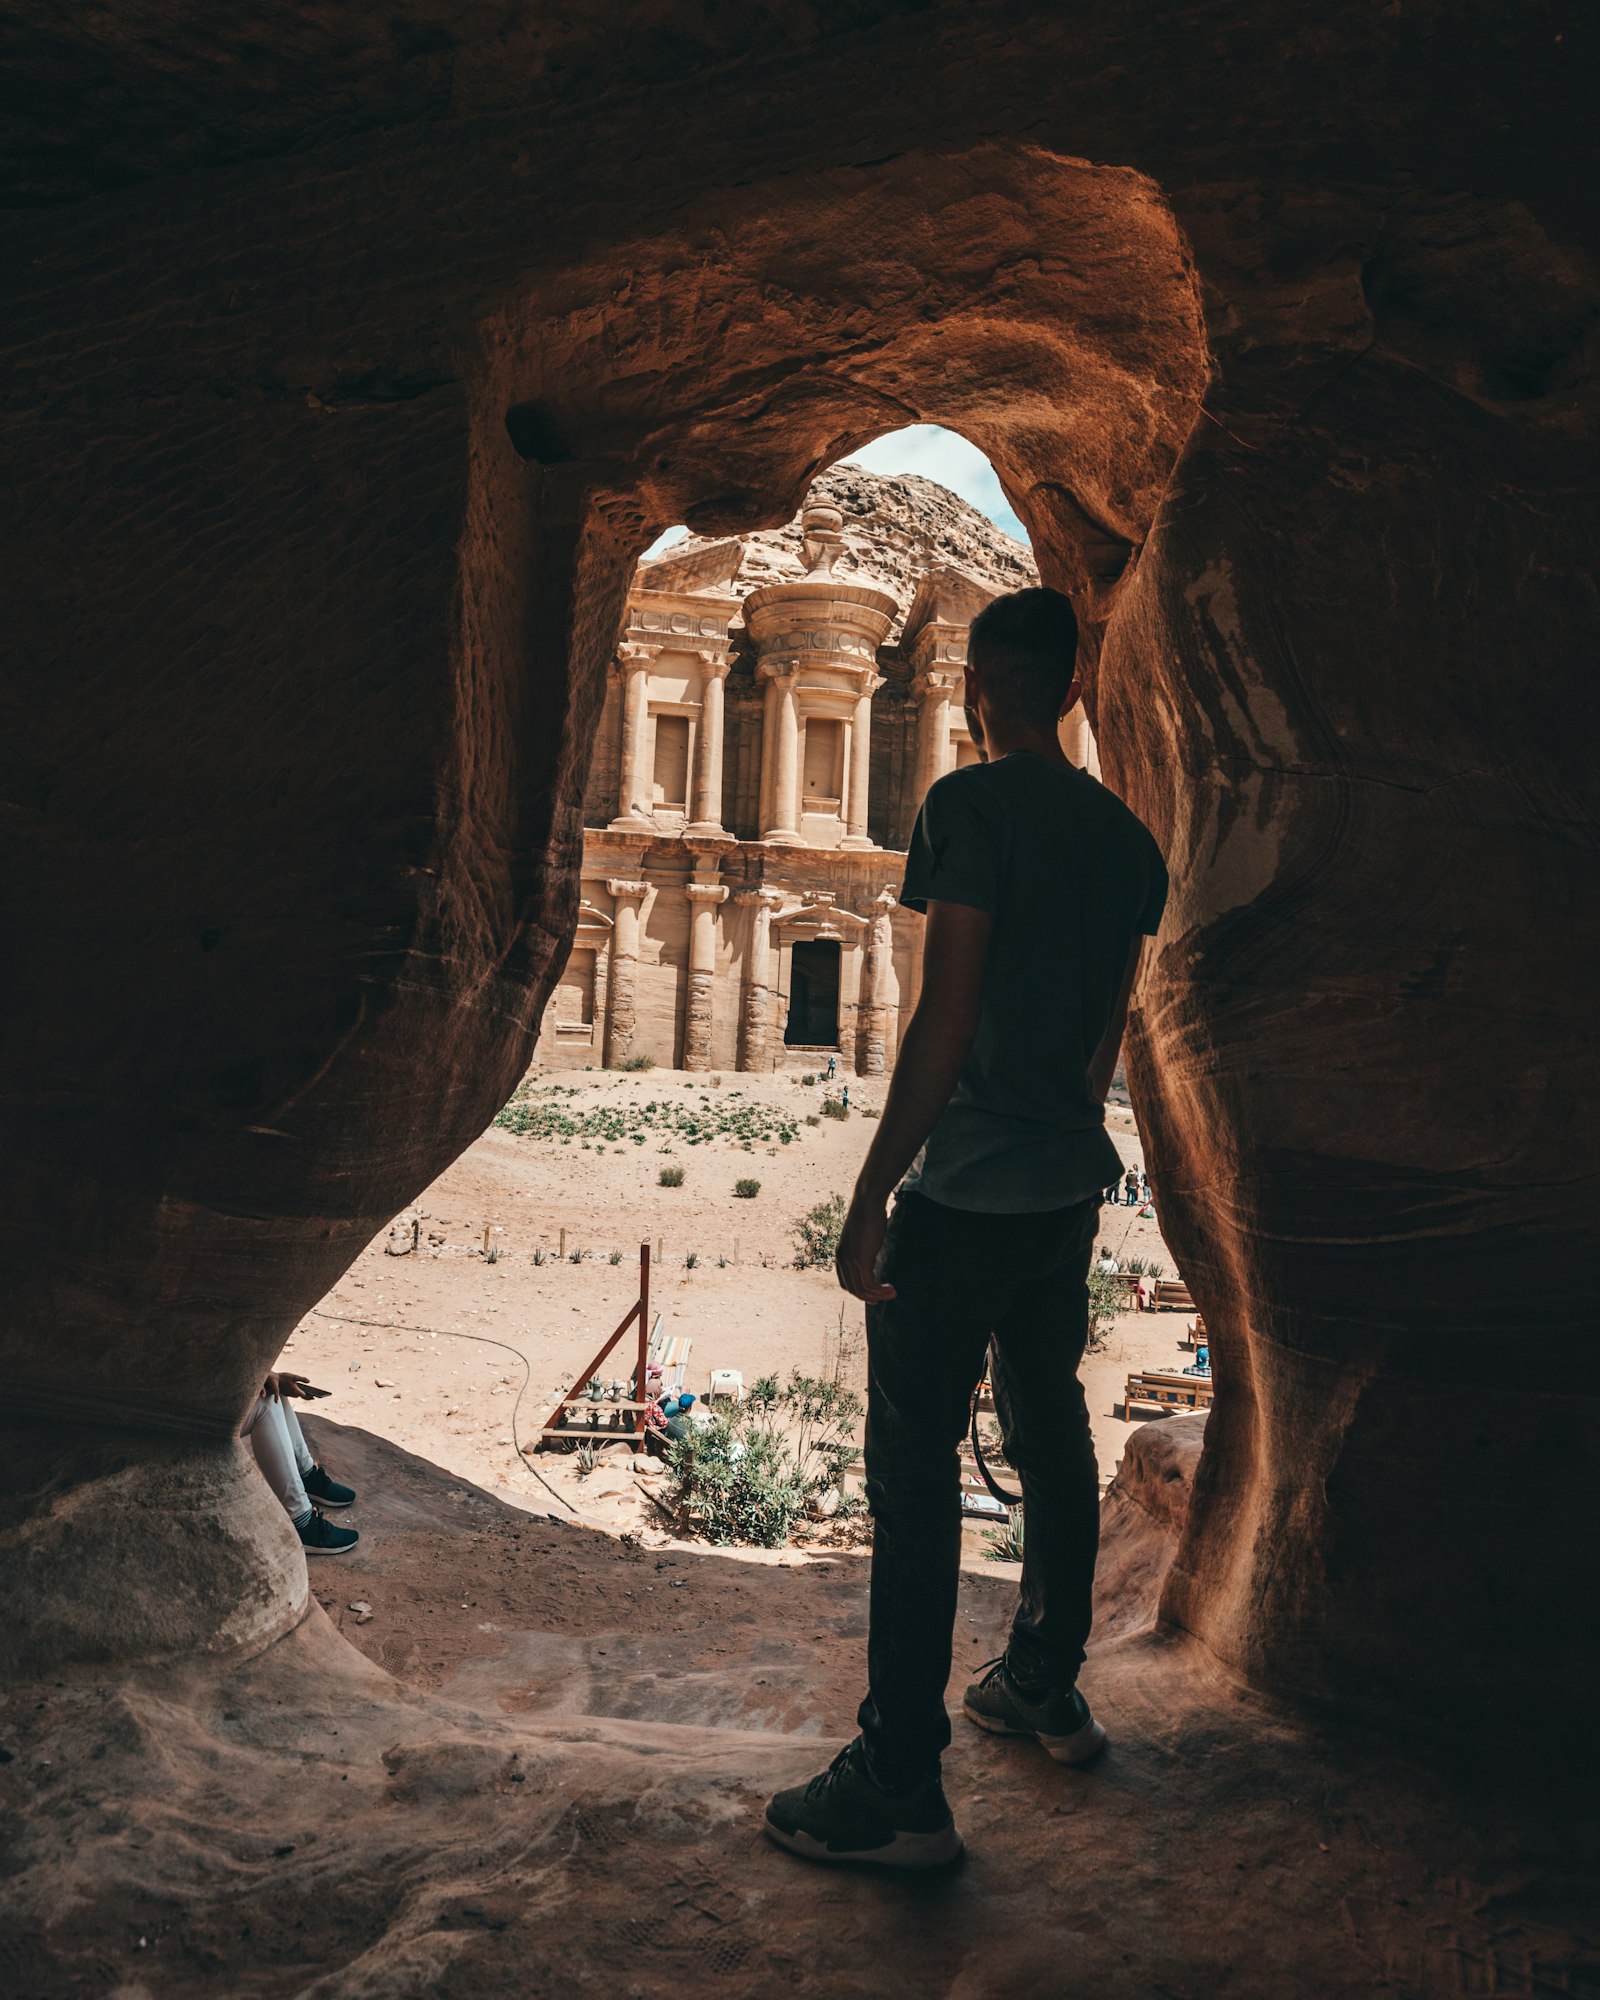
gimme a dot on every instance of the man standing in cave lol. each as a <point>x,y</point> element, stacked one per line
<point>1039,888</point>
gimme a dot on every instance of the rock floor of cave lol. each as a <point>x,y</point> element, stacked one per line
<point>538,1764</point>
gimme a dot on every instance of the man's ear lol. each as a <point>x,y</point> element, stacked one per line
<point>972,686</point>
<point>1073,696</point>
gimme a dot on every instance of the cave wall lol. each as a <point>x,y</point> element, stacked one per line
<point>346,380</point>
<point>1358,633</point>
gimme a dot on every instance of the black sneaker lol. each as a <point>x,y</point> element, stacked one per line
<point>843,1816</point>
<point>327,1491</point>
<point>1060,1719</point>
<point>319,1537</point>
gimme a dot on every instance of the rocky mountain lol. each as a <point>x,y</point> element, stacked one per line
<point>896,528</point>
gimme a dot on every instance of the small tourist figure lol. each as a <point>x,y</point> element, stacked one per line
<point>1130,1188</point>
<point>844,1097</point>
<point>828,1073</point>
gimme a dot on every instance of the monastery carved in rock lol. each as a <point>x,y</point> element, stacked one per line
<point>766,741</point>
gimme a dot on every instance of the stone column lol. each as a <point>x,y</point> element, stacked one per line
<point>706,812</point>
<point>1073,731</point>
<point>755,999</point>
<point>633,805</point>
<point>624,966</point>
<point>934,689</point>
<point>769,739</point>
<point>784,824</point>
<point>870,1009</point>
<point>697,1014</point>
<point>855,815</point>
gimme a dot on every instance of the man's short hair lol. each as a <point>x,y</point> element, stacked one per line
<point>1025,646</point>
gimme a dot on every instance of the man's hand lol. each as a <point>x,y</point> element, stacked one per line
<point>935,1045</point>
<point>286,1383</point>
<point>860,1240</point>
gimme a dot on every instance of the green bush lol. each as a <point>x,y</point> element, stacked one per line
<point>1106,1300</point>
<point>542,1113</point>
<point>747,1475</point>
<point>747,1190</point>
<point>833,1107</point>
<point>1006,1544</point>
<point>670,1177</point>
<point>816,1233</point>
<point>808,1079</point>
<point>637,1062</point>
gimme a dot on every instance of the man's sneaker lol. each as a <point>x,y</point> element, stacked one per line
<point>319,1537</point>
<point>327,1492</point>
<point>843,1816</point>
<point>1061,1719</point>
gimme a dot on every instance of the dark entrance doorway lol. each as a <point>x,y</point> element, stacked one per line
<point>813,995</point>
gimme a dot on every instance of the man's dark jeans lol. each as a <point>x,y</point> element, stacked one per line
<point>960,1279</point>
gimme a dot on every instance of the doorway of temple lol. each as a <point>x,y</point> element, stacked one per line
<point>813,995</point>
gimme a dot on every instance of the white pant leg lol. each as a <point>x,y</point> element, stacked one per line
<point>297,1441</point>
<point>267,1429</point>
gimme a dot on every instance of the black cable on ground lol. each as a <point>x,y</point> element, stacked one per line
<point>484,1340</point>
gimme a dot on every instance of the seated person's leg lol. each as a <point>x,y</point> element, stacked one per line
<point>269,1437</point>
<point>267,1428</point>
<point>319,1487</point>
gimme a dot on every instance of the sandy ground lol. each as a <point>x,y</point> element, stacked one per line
<point>532,1327</point>
<point>561,1793</point>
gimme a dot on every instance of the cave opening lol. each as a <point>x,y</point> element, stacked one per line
<point>777,705</point>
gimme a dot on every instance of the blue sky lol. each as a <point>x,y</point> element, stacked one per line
<point>939,454</point>
<point>934,453</point>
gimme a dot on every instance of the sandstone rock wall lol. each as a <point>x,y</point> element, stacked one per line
<point>346,382</point>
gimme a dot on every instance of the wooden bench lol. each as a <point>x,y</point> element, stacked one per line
<point>1171,1295</point>
<point>1153,1392</point>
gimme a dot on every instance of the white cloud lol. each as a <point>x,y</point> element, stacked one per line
<point>935,453</point>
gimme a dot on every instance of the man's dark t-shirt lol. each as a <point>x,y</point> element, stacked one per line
<point>1071,877</point>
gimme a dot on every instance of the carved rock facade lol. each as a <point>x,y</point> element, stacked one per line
<point>770,727</point>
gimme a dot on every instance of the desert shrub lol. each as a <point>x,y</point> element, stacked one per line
<point>637,1062</point>
<point>808,1079</point>
<point>1005,1544</point>
<point>670,1177</point>
<point>747,1190</point>
<point>869,1111</point>
<point>816,1233</point>
<point>546,1114</point>
<point>575,1256</point>
<point>615,1257</point>
<point>1106,1299</point>
<point>1135,1266</point>
<point>833,1107</point>
<point>747,1475</point>
<point>691,1260</point>
<point>1155,1270</point>
<point>812,1118</point>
